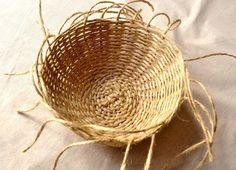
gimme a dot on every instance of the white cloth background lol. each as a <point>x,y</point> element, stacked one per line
<point>207,26</point>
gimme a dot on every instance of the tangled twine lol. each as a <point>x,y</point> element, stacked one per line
<point>115,79</point>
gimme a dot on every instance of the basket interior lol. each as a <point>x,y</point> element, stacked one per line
<point>113,74</point>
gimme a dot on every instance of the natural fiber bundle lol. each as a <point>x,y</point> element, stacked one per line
<point>116,79</point>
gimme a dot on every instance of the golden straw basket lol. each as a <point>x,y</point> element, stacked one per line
<point>116,77</point>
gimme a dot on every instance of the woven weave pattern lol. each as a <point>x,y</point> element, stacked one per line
<point>117,73</point>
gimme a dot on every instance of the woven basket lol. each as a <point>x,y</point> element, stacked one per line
<point>115,79</point>
<point>114,76</point>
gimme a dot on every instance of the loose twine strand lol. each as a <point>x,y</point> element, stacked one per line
<point>42,128</point>
<point>123,165</point>
<point>150,153</point>
<point>199,118</point>
<point>194,104</point>
<point>70,146</point>
<point>20,111</point>
<point>210,55</point>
